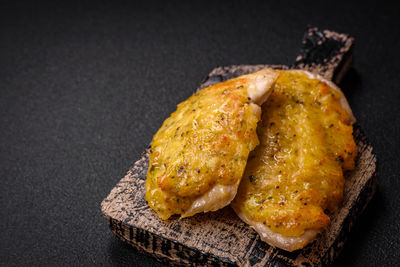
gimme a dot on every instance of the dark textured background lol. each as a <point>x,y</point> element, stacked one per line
<point>83,87</point>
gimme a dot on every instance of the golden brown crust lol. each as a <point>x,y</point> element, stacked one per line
<point>199,154</point>
<point>343,100</point>
<point>295,174</point>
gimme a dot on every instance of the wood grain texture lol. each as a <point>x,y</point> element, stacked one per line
<point>221,238</point>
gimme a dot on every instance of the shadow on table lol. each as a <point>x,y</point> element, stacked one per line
<point>358,236</point>
<point>351,84</point>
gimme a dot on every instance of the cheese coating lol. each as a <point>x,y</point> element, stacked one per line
<point>203,145</point>
<point>295,176</point>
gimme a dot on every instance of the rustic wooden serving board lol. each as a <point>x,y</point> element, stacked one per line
<point>221,238</point>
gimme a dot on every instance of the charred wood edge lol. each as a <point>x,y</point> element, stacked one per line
<point>171,252</point>
<point>328,53</point>
<point>161,247</point>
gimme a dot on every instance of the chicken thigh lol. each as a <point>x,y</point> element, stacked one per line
<point>198,156</point>
<point>294,178</point>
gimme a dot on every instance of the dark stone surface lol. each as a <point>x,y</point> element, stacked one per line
<point>84,86</point>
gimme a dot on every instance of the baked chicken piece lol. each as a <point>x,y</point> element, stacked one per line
<point>198,156</point>
<point>295,176</point>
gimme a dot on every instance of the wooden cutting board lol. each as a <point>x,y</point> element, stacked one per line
<point>221,238</point>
